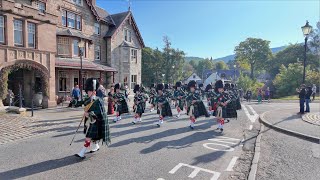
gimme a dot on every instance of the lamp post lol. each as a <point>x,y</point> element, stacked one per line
<point>81,45</point>
<point>234,74</point>
<point>306,30</point>
<point>163,77</point>
<point>173,74</point>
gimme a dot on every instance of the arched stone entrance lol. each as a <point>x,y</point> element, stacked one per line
<point>31,76</point>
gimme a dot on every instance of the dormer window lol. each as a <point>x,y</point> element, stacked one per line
<point>96,28</point>
<point>78,2</point>
<point>41,6</point>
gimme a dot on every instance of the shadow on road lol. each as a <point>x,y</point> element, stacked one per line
<point>39,167</point>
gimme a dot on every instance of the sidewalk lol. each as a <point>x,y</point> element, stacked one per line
<point>288,121</point>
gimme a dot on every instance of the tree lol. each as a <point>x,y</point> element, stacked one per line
<point>193,64</point>
<point>314,41</point>
<point>221,65</point>
<point>204,65</point>
<point>292,54</point>
<point>255,52</point>
<point>246,83</point>
<point>290,78</point>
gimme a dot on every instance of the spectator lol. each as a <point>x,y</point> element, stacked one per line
<point>302,96</point>
<point>259,94</point>
<point>75,95</point>
<point>110,101</point>
<point>267,94</point>
<point>314,91</point>
<point>10,97</point>
<point>248,95</point>
<point>307,98</point>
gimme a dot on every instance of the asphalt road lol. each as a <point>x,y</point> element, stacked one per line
<point>141,151</point>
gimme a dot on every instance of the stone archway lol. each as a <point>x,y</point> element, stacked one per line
<point>24,65</point>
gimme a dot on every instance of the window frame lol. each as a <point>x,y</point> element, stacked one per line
<point>39,7</point>
<point>127,35</point>
<point>133,83</point>
<point>22,32</point>
<point>34,35</point>
<point>75,47</point>
<point>97,27</point>
<point>76,2</point>
<point>95,51</point>
<point>4,29</point>
<point>65,16</point>
<point>65,45</point>
<point>134,55</point>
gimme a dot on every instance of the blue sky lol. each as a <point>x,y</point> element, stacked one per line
<point>209,28</point>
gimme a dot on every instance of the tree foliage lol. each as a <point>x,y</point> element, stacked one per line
<point>290,78</point>
<point>255,52</point>
<point>246,83</point>
<point>169,62</point>
<point>221,65</point>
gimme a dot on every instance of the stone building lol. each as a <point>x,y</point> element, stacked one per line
<point>111,45</point>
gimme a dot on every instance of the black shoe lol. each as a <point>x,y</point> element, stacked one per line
<point>221,130</point>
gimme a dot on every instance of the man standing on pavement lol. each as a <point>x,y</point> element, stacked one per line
<point>75,96</point>
<point>314,91</point>
<point>302,96</point>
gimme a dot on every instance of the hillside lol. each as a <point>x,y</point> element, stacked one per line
<point>231,57</point>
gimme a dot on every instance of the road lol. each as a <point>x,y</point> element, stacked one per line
<point>141,151</point>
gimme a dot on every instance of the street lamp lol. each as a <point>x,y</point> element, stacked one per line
<point>81,45</point>
<point>235,66</point>
<point>306,30</point>
<point>173,74</point>
<point>163,77</point>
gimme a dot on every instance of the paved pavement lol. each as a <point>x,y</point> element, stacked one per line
<point>283,156</point>
<point>140,151</point>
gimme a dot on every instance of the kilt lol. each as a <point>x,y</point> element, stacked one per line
<point>140,109</point>
<point>122,107</point>
<point>152,101</point>
<point>199,110</point>
<point>238,104</point>
<point>231,110</point>
<point>180,104</point>
<point>166,110</point>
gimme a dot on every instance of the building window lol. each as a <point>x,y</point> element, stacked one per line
<point>31,35</point>
<point>133,81</point>
<point>18,33</point>
<point>71,20</point>
<point>2,30</point>
<point>76,48</point>
<point>78,2</point>
<point>63,46</point>
<point>62,84</point>
<point>97,53</point>
<point>96,28</point>
<point>134,53</point>
<point>127,35</point>
<point>41,6</point>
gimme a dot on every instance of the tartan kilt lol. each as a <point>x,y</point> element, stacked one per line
<point>122,107</point>
<point>238,104</point>
<point>140,108</point>
<point>199,110</point>
<point>152,101</point>
<point>166,110</point>
<point>97,130</point>
<point>231,110</point>
<point>181,104</point>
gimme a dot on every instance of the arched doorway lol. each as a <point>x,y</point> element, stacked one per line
<point>25,76</point>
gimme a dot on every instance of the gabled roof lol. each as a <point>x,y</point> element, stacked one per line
<point>118,20</point>
<point>99,13</point>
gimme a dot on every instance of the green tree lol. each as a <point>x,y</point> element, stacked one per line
<point>292,54</point>
<point>193,64</point>
<point>204,65</point>
<point>255,52</point>
<point>314,41</point>
<point>221,65</point>
<point>246,83</point>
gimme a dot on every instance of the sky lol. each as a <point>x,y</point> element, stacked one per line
<point>210,28</point>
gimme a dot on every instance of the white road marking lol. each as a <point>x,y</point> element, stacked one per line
<point>250,127</point>
<point>195,171</point>
<point>160,179</point>
<point>253,117</point>
<point>232,163</point>
<point>228,150</point>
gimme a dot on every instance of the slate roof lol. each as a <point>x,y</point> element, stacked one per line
<point>87,65</point>
<point>72,33</point>
<point>117,19</point>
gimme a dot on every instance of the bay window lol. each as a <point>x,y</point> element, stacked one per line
<point>71,20</point>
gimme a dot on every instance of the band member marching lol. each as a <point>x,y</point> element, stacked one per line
<point>121,105</point>
<point>236,93</point>
<point>152,96</point>
<point>220,104</point>
<point>96,126</point>
<point>211,96</point>
<point>163,106</point>
<point>195,107</point>
<point>139,103</point>
<point>231,106</point>
<point>179,96</point>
